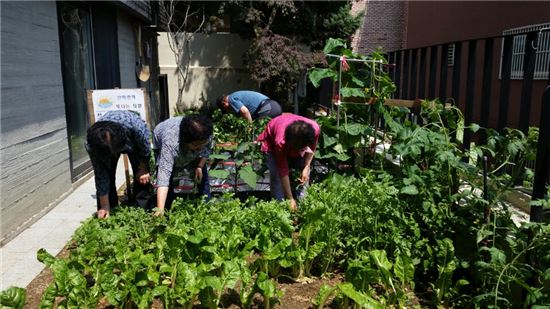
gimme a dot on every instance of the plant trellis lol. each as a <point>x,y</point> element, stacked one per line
<point>343,66</point>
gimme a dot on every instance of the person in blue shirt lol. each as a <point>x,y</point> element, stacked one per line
<point>249,104</point>
<point>118,132</point>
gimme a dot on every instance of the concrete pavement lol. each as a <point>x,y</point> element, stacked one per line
<point>19,265</point>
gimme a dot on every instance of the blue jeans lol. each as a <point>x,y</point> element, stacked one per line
<point>275,185</point>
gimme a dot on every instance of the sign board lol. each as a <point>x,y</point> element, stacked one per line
<point>133,99</point>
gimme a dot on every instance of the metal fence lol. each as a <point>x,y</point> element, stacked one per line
<point>497,82</point>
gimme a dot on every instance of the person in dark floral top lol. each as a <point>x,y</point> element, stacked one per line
<point>179,143</point>
<point>118,132</point>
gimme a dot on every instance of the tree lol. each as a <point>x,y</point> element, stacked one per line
<point>182,20</point>
<point>284,35</point>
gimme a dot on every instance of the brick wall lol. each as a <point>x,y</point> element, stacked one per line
<point>384,25</point>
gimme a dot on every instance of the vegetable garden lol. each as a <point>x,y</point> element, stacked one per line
<point>405,217</point>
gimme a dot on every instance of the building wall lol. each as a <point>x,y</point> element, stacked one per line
<point>384,25</point>
<point>127,51</point>
<point>435,22</point>
<point>34,154</point>
<point>216,68</point>
<point>432,23</point>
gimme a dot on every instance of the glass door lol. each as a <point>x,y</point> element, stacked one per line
<point>75,32</point>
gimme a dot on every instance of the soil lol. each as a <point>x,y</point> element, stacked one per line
<point>297,295</point>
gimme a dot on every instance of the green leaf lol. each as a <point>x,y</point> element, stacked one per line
<point>380,259</point>
<point>410,190</point>
<point>328,140</point>
<point>277,250</point>
<point>213,282</point>
<point>324,293</point>
<point>361,299</point>
<point>404,269</point>
<point>347,92</point>
<point>358,82</point>
<point>332,44</point>
<point>266,285</point>
<point>483,233</point>
<point>354,128</point>
<point>339,148</point>
<point>342,157</point>
<point>231,274</point>
<point>44,257</point>
<point>497,255</point>
<point>249,176</point>
<point>13,297</point>
<point>317,74</point>
<point>221,156</point>
<point>474,127</point>
<point>221,174</point>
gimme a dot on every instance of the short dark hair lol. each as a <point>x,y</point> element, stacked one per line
<point>96,137</point>
<point>195,128</point>
<point>300,134</point>
<point>219,101</point>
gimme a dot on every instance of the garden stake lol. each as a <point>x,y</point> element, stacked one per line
<point>487,211</point>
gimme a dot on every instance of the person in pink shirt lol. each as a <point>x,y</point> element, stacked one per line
<point>289,141</point>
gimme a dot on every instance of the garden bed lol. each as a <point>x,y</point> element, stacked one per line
<point>297,295</point>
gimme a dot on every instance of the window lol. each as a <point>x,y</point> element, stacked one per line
<point>451,55</point>
<point>75,33</point>
<point>542,57</point>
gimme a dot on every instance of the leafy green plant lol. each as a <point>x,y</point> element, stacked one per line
<point>394,281</point>
<point>516,260</point>
<point>13,297</point>
<point>235,144</point>
<point>349,295</point>
<point>360,80</point>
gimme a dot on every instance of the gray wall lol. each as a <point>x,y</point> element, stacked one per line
<point>34,154</point>
<point>127,51</point>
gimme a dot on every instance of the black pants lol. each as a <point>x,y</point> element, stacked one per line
<point>140,193</point>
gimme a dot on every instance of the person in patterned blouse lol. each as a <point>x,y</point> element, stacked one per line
<point>114,133</point>
<point>180,143</point>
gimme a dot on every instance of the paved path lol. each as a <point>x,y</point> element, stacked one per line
<point>18,261</point>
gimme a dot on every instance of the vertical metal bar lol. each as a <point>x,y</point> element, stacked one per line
<point>406,77</point>
<point>391,59</point>
<point>487,210</point>
<point>457,68</point>
<point>339,96</point>
<point>486,87</point>
<point>527,87</point>
<point>422,74</point>
<point>398,69</point>
<point>543,158</point>
<point>470,91</point>
<point>443,71</point>
<point>433,67</point>
<point>414,72</point>
<point>504,99</point>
